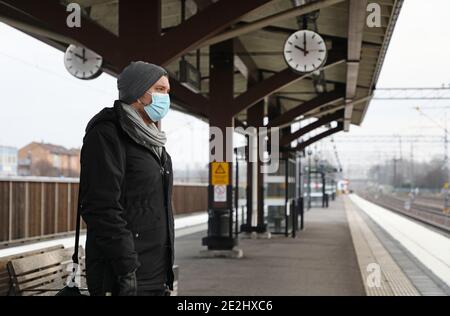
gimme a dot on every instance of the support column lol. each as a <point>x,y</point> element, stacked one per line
<point>255,179</point>
<point>220,207</point>
<point>139,23</point>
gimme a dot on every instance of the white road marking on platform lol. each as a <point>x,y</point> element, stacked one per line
<point>428,246</point>
<point>373,257</point>
<point>190,230</point>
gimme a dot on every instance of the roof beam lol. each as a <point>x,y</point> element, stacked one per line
<point>357,20</point>
<point>190,34</point>
<point>289,31</point>
<point>202,4</point>
<point>319,137</point>
<point>334,82</point>
<point>193,102</point>
<point>288,117</point>
<point>52,16</point>
<point>139,20</point>
<point>263,89</point>
<point>272,19</point>
<point>280,80</point>
<point>244,62</point>
<point>328,111</point>
<point>27,24</point>
<point>287,139</point>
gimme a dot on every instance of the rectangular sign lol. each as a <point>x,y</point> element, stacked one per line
<point>220,193</point>
<point>220,173</point>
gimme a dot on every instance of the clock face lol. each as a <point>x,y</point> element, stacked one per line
<point>305,51</point>
<point>83,63</point>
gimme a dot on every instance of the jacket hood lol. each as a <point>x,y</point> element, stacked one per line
<point>107,114</point>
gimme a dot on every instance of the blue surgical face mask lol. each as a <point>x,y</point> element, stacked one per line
<point>159,107</point>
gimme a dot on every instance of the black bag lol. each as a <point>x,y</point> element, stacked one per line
<point>72,289</point>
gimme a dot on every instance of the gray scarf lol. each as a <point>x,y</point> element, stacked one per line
<point>150,132</point>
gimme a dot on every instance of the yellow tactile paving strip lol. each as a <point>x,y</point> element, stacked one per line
<point>370,251</point>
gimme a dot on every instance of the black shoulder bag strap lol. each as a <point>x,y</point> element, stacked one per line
<point>77,229</point>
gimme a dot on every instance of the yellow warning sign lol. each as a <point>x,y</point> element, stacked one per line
<point>220,173</point>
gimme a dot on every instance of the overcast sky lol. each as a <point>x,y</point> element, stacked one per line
<point>40,100</point>
<point>418,56</point>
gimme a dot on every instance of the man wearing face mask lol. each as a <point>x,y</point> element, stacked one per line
<point>126,187</point>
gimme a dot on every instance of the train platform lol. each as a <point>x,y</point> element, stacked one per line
<point>352,248</point>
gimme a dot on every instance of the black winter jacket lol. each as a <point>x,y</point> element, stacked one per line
<point>125,194</point>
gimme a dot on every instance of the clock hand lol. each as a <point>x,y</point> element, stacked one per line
<point>305,52</point>
<point>304,43</point>
<point>84,56</point>
<point>81,57</point>
<point>298,47</point>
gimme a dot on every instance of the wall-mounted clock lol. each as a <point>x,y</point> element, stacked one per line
<point>83,63</point>
<point>305,51</point>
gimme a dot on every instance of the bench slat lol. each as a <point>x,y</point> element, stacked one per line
<point>43,260</point>
<point>58,278</point>
<point>40,261</point>
<point>45,272</point>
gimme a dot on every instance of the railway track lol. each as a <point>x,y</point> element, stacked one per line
<point>430,201</point>
<point>426,213</point>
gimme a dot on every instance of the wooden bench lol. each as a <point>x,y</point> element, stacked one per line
<point>45,273</point>
<point>6,285</point>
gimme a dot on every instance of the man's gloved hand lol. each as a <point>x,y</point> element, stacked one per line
<point>127,284</point>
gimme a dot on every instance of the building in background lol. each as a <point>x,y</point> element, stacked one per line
<point>8,161</point>
<point>48,160</point>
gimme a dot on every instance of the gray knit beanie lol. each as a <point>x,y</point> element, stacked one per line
<point>136,79</point>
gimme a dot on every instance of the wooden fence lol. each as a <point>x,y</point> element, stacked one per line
<point>38,207</point>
